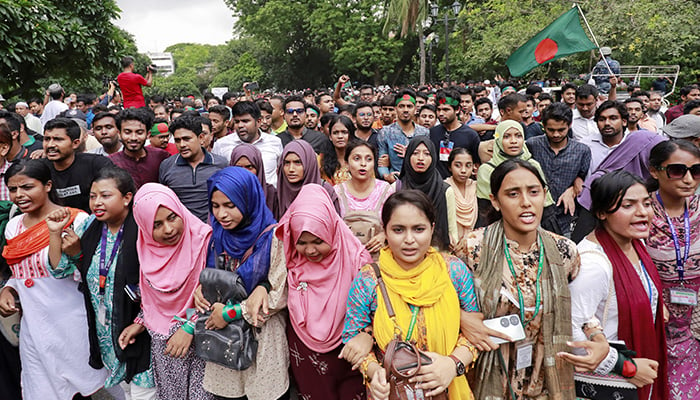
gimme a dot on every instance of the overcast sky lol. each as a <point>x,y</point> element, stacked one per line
<point>157,24</point>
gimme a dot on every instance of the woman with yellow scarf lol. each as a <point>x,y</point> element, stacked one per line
<point>427,291</point>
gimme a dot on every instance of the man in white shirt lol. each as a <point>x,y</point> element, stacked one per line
<point>611,118</point>
<point>246,124</point>
<point>583,124</point>
<point>55,106</point>
<point>32,122</point>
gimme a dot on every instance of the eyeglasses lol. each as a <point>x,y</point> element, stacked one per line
<point>299,111</point>
<point>678,171</point>
<point>365,114</point>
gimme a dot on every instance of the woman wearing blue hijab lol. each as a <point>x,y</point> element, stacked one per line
<point>243,241</point>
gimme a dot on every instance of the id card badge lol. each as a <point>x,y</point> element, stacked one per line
<point>102,313</point>
<point>684,296</point>
<point>523,355</point>
<point>445,150</point>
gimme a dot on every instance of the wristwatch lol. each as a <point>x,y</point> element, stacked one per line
<point>460,365</point>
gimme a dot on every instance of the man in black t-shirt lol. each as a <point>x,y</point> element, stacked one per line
<point>451,133</point>
<point>71,172</point>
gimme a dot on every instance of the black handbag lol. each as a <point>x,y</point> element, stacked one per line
<point>235,345</point>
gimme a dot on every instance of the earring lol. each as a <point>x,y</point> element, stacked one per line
<point>126,204</point>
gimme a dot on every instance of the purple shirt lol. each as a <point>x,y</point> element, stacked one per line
<point>143,170</point>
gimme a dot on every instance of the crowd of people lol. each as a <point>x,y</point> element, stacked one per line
<point>263,245</point>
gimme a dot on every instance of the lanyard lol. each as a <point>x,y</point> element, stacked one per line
<point>680,261</point>
<point>538,284</point>
<point>104,267</point>
<point>648,279</point>
<point>414,315</point>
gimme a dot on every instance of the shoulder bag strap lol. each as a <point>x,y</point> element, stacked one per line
<point>343,197</point>
<point>382,198</point>
<point>382,287</point>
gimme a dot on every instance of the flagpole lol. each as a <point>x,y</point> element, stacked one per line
<point>593,36</point>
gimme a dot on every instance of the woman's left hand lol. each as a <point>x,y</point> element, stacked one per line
<point>70,243</point>
<point>357,349</point>
<point>179,344</point>
<point>216,319</point>
<point>436,377</point>
<point>596,351</point>
<point>376,243</point>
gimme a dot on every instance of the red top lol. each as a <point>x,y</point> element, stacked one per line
<point>130,84</point>
<point>143,170</point>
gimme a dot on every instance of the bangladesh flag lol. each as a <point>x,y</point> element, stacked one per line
<point>561,38</point>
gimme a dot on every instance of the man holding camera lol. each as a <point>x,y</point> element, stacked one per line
<point>131,83</point>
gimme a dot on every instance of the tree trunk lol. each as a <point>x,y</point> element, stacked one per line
<point>421,47</point>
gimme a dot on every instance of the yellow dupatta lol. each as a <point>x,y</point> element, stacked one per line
<point>427,286</point>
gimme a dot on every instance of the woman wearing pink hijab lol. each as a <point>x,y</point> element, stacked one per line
<point>323,257</point>
<point>172,248</point>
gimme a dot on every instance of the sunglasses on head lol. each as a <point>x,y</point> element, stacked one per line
<point>678,171</point>
<point>291,111</point>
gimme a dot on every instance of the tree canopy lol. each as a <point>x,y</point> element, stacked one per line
<point>71,42</point>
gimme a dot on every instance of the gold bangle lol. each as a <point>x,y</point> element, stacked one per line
<point>474,351</point>
<point>364,367</point>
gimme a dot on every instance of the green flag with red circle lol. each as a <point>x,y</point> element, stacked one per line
<point>563,37</point>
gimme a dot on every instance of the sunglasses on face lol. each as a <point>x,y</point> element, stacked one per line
<point>291,111</point>
<point>678,171</point>
<point>364,114</point>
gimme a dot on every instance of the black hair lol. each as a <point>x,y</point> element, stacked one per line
<point>479,89</point>
<point>511,101</point>
<point>531,98</point>
<point>634,100</point>
<point>608,104</point>
<point>35,100</point>
<point>264,105</point>
<point>227,96</point>
<point>586,90</point>
<point>533,89</point>
<point>343,108</point>
<point>125,183</point>
<point>428,107</point>
<point>299,99</point>
<point>243,108</point>
<point>156,98</point>
<point>330,158</point>
<point>568,86</point>
<point>546,96</point>
<point>662,152</point>
<point>387,101</point>
<point>443,94</point>
<point>689,106</point>
<point>99,108</point>
<point>409,196</point>
<point>6,135</point>
<point>127,60</point>
<point>458,151</point>
<point>190,123</point>
<point>142,115</point>
<point>176,111</point>
<point>203,121</point>
<point>12,120</point>
<point>483,100</point>
<point>104,114</point>
<point>422,95</point>
<point>317,99</point>
<point>326,118</point>
<point>557,112</point>
<point>366,86</point>
<point>608,191</point>
<point>35,169</point>
<point>641,93</point>
<point>308,92</point>
<point>685,90</point>
<point>224,112</point>
<point>360,104</point>
<point>71,127</point>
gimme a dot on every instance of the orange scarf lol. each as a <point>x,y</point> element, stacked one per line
<point>31,241</point>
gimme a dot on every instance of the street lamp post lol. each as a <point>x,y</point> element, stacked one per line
<point>434,10</point>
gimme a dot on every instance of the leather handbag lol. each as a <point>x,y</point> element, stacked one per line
<point>235,345</point>
<point>402,359</point>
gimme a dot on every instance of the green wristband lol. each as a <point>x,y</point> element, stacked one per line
<point>188,327</point>
<point>232,312</point>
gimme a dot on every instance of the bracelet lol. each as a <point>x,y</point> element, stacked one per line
<point>188,327</point>
<point>474,351</point>
<point>364,367</point>
<point>594,334</point>
<point>232,312</point>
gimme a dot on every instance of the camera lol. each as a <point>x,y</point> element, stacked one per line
<point>252,86</point>
<point>152,68</point>
<point>107,80</point>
